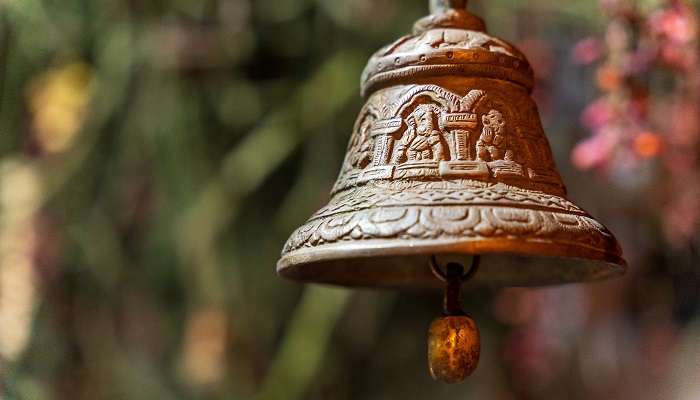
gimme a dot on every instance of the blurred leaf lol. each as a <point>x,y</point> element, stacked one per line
<point>304,345</point>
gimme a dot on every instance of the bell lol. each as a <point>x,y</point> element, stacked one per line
<point>448,163</point>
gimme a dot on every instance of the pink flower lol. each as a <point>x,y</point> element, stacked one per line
<point>676,57</point>
<point>593,152</point>
<point>676,25</point>
<point>587,51</point>
<point>597,114</point>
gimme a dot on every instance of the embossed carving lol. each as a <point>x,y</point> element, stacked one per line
<point>492,145</point>
<point>450,192</point>
<point>361,148</point>
<point>454,42</point>
<point>422,141</point>
<point>464,222</point>
<point>429,132</point>
<point>447,153</point>
<point>448,38</point>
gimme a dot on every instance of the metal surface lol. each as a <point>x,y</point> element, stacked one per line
<point>454,348</point>
<point>448,157</point>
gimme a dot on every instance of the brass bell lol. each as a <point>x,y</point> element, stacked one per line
<point>447,161</point>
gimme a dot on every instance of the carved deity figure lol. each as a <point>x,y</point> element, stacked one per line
<point>422,141</point>
<point>492,144</point>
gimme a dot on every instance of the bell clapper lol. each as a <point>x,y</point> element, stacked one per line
<point>453,338</point>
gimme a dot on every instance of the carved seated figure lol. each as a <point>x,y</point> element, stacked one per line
<point>421,142</point>
<point>492,144</point>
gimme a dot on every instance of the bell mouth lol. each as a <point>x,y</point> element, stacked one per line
<point>383,233</point>
<point>402,265</point>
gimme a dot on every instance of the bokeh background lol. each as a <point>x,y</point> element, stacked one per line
<point>155,155</point>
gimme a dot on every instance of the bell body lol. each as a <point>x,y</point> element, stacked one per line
<point>448,157</point>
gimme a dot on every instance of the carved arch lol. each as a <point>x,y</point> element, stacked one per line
<point>450,101</point>
<point>447,99</point>
<point>471,99</point>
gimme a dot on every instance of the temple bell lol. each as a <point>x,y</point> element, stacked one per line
<point>448,180</point>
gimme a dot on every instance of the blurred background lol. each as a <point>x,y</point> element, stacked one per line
<point>155,155</point>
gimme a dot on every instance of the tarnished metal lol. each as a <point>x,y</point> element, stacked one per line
<point>454,348</point>
<point>448,157</point>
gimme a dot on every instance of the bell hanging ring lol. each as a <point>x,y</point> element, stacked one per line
<point>448,159</point>
<point>454,343</point>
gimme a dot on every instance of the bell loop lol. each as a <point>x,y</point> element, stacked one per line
<point>454,276</point>
<point>445,277</point>
<point>440,6</point>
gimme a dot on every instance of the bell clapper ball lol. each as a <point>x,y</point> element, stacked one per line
<point>453,339</point>
<point>453,348</point>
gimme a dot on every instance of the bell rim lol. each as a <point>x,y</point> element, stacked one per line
<point>608,264</point>
<point>472,64</point>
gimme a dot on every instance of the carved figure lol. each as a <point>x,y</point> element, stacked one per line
<point>492,144</point>
<point>361,150</point>
<point>422,141</point>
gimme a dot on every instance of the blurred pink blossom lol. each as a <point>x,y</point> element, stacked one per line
<point>641,117</point>
<point>587,51</point>
<point>597,114</point>
<point>640,60</point>
<point>593,152</point>
<point>676,57</point>
<point>675,24</point>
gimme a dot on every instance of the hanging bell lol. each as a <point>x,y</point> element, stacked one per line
<point>448,160</point>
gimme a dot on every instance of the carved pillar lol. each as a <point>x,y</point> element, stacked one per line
<point>462,144</point>
<point>462,126</point>
<point>383,144</point>
<point>383,133</point>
